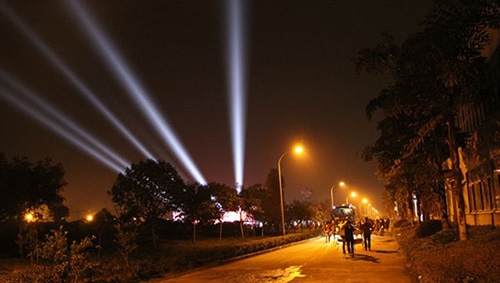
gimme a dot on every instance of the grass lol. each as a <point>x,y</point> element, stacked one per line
<point>178,256</point>
<point>170,257</point>
<point>443,258</point>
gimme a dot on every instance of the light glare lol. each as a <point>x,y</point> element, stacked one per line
<point>236,84</point>
<point>66,71</point>
<point>299,150</point>
<point>29,217</point>
<point>61,117</point>
<point>134,88</point>
<point>58,129</point>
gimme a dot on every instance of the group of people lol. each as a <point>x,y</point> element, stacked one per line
<point>347,230</point>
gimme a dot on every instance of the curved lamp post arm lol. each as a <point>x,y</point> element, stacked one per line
<point>331,194</point>
<point>281,193</point>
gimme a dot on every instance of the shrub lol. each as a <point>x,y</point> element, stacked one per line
<point>428,228</point>
<point>442,258</point>
<point>61,262</point>
<point>401,223</point>
<point>446,236</point>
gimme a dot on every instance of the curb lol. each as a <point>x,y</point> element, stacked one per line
<point>229,260</point>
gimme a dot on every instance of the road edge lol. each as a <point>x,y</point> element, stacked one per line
<point>229,260</point>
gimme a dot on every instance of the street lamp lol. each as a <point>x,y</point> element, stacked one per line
<point>342,184</point>
<point>29,217</point>
<point>298,150</point>
<point>89,217</point>
<point>363,201</point>
<point>353,195</point>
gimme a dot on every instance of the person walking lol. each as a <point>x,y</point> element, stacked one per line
<point>342,235</point>
<point>328,230</point>
<point>366,229</point>
<point>349,237</point>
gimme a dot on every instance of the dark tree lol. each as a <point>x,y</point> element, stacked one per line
<point>271,203</point>
<point>226,199</point>
<point>434,72</point>
<point>299,211</point>
<point>146,190</point>
<point>59,213</point>
<point>26,187</point>
<point>251,201</point>
<point>196,204</point>
<point>104,221</point>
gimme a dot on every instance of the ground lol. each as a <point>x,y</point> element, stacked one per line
<point>311,261</point>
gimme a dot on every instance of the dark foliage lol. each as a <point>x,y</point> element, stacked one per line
<point>428,228</point>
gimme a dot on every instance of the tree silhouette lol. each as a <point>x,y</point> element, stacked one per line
<point>146,190</point>
<point>434,72</point>
<point>226,200</point>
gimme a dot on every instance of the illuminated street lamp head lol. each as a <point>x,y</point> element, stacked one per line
<point>89,217</point>
<point>299,149</point>
<point>341,184</point>
<point>365,201</point>
<point>29,217</point>
<point>353,194</point>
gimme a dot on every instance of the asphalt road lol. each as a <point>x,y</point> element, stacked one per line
<point>312,261</point>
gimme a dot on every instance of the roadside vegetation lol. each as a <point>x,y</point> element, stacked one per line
<point>161,224</point>
<point>435,255</point>
<point>432,76</point>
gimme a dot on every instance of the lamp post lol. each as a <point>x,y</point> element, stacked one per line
<point>297,150</point>
<point>363,201</point>
<point>353,195</point>
<point>331,191</point>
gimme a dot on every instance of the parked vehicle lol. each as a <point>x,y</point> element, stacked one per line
<point>342,214</point>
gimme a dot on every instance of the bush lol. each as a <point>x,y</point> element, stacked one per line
<point>180,256</point>
<point>428,228</point>
<point>442,258</point>
<point>59,260</point>
<point>401,223</point>
<point>444,237</point>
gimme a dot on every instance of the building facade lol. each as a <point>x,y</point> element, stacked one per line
<point>479,138</point>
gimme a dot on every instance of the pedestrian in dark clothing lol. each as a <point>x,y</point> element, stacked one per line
<point>327,229</point>
<point>366,229</point>
<point>349,236</point>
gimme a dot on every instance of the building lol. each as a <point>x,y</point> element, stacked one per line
<point>479,140</point>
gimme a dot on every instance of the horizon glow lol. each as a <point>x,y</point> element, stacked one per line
<point>52,125</point>
<point>28,93</point>
<point>236,73</point>
<point>110,54</point>
<point>73,78</point>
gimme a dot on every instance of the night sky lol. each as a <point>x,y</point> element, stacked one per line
<point>302,86</point>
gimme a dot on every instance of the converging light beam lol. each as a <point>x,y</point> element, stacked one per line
<point>61,117</point>
<point>52,125</point>
<point>73,78</point>
<point>236,73</point>
<point>134,88</point>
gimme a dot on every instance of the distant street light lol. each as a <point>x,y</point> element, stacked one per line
<point>298,150</point>
<point>363,201</point>
<point>342,184</point>
<point>29,217</point>
<point>89,217</point>
<point>353,195</point>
